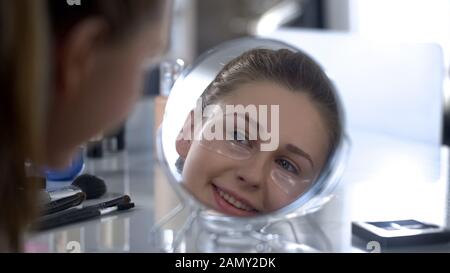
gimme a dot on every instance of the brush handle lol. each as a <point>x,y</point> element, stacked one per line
<point>64,203</point>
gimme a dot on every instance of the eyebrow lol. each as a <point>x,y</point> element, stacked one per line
<point>300,152</point>
<point>249,122</point>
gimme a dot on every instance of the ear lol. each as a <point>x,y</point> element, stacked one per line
<point>76,55</point>
<point>184,139</point>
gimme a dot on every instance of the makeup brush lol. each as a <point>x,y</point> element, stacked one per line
<point>92,186</point>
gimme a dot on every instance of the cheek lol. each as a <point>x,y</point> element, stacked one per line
<point>128,85</point>
<point>201,166</point>
<point>195,173</point>
<point>120,87</point>
<point>276,199</point>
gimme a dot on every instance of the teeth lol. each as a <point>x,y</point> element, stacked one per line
<point>230,199</point>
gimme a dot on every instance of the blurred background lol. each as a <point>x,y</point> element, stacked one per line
<point>199,25</point>
<point>202,24</point>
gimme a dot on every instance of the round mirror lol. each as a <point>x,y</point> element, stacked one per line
<point>254,130</point>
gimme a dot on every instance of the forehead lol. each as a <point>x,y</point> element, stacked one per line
<point>300,121</point>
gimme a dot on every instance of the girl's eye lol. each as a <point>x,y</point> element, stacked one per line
<point>288,166</point>
<point>240,138</point>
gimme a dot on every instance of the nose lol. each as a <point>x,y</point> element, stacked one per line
<point>252,172</point>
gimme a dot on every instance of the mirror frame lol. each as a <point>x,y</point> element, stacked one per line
<point>313,199</point>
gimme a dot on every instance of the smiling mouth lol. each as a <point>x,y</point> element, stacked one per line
<point>231,204</point>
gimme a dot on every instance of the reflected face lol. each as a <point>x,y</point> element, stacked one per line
<point>263,181</point>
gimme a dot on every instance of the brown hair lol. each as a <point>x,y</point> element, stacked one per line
<point>294,70</point>
<point>29,29</point>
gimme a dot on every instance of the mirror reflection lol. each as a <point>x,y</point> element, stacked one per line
<point>260,134</point>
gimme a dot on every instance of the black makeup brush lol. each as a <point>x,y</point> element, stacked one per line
<point>85,186</point>
<point>92,186</point>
